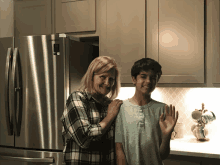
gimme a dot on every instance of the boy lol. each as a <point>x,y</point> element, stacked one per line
<point>143,125</point>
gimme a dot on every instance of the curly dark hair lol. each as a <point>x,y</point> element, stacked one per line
<point>146,64</point>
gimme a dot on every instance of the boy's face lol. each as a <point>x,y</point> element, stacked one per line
<point>145,82</point>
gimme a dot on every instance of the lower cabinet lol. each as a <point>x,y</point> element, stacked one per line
<point>210,161</point>
<point>182,160</point>
<point>190,160</point>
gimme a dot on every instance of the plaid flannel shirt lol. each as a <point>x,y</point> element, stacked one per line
<point>82,135</point>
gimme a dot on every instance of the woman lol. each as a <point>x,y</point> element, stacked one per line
<point>88,120</point>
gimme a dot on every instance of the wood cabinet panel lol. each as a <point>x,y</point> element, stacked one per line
<point>182,160</point>
<point>210,161</point>
<point>214,40</point>
<point>181,41</point>
<point>125,34</point>
<point>33,17</point>
<point>175,38</point>
<point>6,18</point>
<point>75,16</point>
<point>179,162</point>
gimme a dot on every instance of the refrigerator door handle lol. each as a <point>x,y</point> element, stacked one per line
<point>7,112</point>
<point>48,160</point>
<point>13,91</point>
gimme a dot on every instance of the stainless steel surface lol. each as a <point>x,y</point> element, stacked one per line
<point>5,139</point>
<point>200,132</point>
<point>207,117</point>
<point>7,112</point>
<point>36,86</point>
<point>9,156</point>
<point>26,159</point>
<point>43,93</point>
<point>202,117</point>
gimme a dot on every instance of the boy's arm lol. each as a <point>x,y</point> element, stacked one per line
<point>167,125</point>
<point>121,160</point>
<point>165,147</point>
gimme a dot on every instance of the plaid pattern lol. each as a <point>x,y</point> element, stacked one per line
<point>81,131</point>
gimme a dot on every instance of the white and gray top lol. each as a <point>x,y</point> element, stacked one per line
<point>138,129</point>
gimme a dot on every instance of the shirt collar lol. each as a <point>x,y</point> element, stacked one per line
<point>89,95</point>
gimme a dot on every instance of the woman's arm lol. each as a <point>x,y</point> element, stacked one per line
<point>76,122</point>
<point>121,160</point>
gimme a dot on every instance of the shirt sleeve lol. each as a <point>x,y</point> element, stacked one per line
<point>76,122</point>
<point>118,128</point>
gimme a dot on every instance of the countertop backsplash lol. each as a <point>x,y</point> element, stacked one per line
<point>186,100</point>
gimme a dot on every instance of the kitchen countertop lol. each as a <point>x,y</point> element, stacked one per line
<point>189,146</point>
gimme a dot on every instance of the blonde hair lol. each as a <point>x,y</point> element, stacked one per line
<point>101,65</point>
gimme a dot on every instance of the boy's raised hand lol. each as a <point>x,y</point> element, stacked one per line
<point>170,121</point>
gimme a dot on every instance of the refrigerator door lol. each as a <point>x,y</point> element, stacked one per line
<point>43,88</point>
<point>6,129</point>
<point>11,156</point>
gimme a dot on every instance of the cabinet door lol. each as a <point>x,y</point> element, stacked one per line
<point>125,34</point>
<point>179,38</point>
<point>32,17</point>
<point>179,162</point>
<point>209,161</point>
<point>182,160</point>
<point>75,16</point>
<point>213,23</point>
<point>6,18</point>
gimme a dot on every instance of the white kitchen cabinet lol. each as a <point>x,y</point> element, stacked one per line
<point>33,17</point>
<point>123,34</point>
<point>175,38</point>
<point>6,18</point>
<point>75,16</point>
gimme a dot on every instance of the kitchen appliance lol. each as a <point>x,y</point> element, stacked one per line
<point>37,74</point>
<point>202,117</point>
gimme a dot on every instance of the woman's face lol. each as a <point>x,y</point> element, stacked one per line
<point>103,82</point>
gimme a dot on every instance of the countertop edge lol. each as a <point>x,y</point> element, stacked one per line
<point>196,154</point>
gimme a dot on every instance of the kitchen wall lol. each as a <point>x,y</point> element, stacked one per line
<point>186,100</point>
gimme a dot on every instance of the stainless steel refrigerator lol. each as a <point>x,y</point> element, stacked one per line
<point>37,73</point>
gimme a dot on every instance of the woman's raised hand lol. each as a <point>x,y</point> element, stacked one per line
<point>113,107</point>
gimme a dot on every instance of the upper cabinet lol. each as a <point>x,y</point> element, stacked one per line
<point>33,17</point>
<point>181,41</point>
<point>75,16</point>
<point>169,31</point>
<point>123,34</point>
<point>213,44</point>
<point>175,38</point>
<point>6,18</point>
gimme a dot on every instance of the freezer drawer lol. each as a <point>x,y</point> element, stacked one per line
<point>9,156</point>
